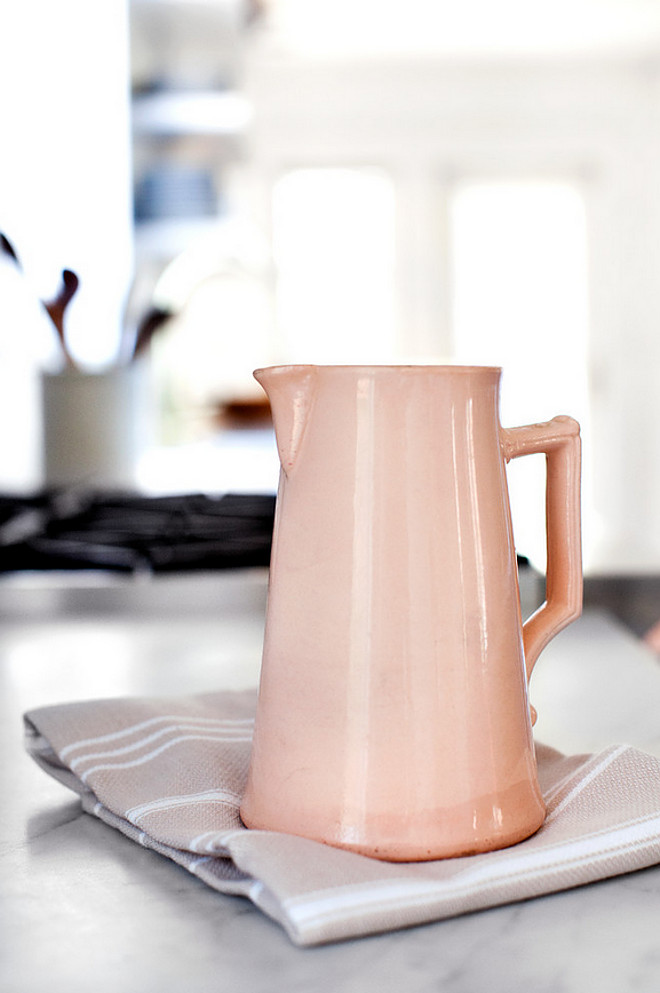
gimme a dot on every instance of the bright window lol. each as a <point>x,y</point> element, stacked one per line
<point>333,242</point>
<point>519,300</point>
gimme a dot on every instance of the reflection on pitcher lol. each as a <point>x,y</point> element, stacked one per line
<point>393,715</point>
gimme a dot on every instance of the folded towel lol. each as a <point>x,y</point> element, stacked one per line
<point>169,774</point>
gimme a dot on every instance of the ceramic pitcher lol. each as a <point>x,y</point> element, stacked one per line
<point>393,715</point>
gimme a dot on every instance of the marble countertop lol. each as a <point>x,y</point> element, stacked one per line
<point>83,908</point>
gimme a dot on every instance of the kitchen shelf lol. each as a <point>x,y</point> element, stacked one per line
<point>203,113</point>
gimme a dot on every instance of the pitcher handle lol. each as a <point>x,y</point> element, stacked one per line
<point>559,439</point>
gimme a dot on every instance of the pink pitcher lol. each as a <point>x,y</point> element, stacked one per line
<point>393,716</point>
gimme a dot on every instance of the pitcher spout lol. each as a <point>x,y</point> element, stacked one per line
<point>291,390</point>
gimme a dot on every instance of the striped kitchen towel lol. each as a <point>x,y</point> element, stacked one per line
<point>169,774</point>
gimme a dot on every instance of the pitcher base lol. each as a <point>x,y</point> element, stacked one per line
<point>415,843</point>
<point>406,852</point>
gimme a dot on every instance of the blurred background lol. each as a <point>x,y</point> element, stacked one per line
<point>238,183</point>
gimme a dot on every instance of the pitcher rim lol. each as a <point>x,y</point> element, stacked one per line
<point>375,366</point>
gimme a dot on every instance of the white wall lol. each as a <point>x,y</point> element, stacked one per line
<point>65,197</point>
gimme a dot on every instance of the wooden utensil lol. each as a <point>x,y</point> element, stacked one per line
<point>56,308</point>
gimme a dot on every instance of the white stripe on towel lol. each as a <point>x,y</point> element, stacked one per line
<point>585,778</point>
<point>157,751</point>
<point>141,742</point>
<point>172,718</point>
<point>135,814</point>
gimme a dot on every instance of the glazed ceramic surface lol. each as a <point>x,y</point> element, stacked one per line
<point>393,716</point>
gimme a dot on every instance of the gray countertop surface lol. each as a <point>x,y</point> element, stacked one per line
<point>83,908</point>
